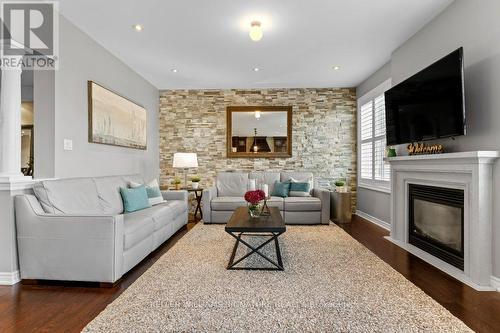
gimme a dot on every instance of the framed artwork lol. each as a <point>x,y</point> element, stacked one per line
<point>115,120</point>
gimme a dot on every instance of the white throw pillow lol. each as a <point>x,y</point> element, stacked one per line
<point>152,184</point>
<point>133,184</point>
<point>156,201</point>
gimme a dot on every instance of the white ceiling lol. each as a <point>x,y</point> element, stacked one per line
<point>207,40</point>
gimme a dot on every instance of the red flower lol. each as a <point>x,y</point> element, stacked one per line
<point>254,197</point>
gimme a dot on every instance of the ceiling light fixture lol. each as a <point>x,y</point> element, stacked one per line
<point>256,69</point>
<point>174,70</point>
<point>336,68</point>
<point>255,31</point>
<point>138,27</point>
<point>257,114</point>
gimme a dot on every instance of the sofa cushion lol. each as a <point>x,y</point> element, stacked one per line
<point>301,177</point>
<point>137,226</point>
<point>268,178</point>
<point>108,189</point>
<point>69,196</point>
<point>276,202</point>
<point>166,213</point>
<point>231,184</point>
<point>299,204</point>
<point>178,206</point>
<point>162,215</point>
<point>227,203</point>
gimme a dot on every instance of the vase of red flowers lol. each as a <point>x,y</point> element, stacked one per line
<point>254,199</point>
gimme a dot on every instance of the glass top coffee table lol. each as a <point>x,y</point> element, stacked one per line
<point>241,224</point>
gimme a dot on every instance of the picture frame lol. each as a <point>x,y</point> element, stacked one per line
<point>115,120</point>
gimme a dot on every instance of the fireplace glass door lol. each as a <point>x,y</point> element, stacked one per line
<point>437,222</point>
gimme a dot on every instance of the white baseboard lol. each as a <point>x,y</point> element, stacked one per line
<point>495,283</point>
<point>9,278</point>
<point>374,220</point>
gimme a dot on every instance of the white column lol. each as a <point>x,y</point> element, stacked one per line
<point>12,181</point>
<point>10,124</point>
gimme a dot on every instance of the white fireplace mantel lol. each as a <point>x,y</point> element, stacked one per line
<point>471,172</point>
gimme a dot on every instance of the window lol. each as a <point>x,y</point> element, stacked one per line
<point>373,171</point>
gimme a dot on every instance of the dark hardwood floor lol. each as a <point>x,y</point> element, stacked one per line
<point>66,307</point>
<point>479,310</point>
<point>63,307</point>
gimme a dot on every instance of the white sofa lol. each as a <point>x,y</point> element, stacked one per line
<point>75,229</point>
<point>220,201</point>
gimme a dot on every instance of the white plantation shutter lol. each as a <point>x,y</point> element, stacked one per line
<point>373,142</point>
<point>379,116</point>
<point>367,121</point>
<point>381,168</point>
<point>366,160</point>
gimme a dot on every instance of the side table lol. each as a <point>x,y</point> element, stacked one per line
<point>198,194</point>
<point>340,207</point>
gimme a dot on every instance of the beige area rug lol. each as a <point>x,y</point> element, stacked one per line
<point>330,283</point>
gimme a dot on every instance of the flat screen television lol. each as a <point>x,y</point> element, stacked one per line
<point>429,105</point>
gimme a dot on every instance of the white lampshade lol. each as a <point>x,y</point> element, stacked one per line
<point>185,160</point>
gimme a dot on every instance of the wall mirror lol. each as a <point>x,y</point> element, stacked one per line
<point>259,131</point>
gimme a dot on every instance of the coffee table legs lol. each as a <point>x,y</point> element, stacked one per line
<point>273,236</point>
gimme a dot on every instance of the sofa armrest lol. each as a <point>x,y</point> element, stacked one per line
<point>324,196</point>
<point>76,247</point>
<point>175,195</point>
<point>208,195</point>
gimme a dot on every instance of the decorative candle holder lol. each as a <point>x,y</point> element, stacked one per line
<point>265,209</point>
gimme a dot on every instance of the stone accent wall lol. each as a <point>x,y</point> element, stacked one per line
<point>324,131</point>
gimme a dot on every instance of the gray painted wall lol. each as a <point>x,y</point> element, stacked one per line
<point>474,25</point>
<point>82,59</point>
<point>374,203</point>
<point>377,78</point>
<point>44,124</point>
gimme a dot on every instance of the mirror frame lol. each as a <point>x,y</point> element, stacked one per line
<point>229,122</point>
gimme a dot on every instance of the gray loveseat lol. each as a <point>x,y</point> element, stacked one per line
<point>220,201</point>
<point>75,229</point>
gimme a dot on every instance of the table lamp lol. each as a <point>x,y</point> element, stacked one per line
<point>185,161</point>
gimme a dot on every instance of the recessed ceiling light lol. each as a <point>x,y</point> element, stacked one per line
<point>255,31</point>
<point>336,68</point>
<point>256,69</point>
<point>138,27</point>
<point>174,70</point>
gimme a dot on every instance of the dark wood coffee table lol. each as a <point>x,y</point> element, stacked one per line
<point>241,224</point>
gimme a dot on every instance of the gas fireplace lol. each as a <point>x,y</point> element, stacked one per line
<point>436,222</point>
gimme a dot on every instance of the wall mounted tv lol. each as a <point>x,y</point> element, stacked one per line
<point>429,105</point>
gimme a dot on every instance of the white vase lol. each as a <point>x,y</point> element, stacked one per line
<point>195,185</point>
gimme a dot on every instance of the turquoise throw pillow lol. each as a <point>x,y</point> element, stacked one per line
<point>153,191</point>
<point>300,189</point>
<point>281,189</point>
<point>134,198</point>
